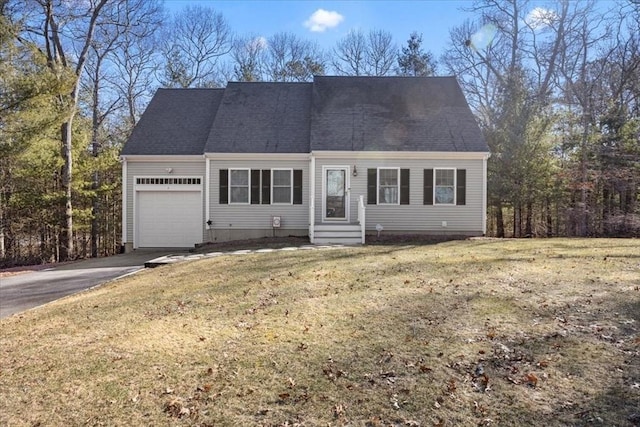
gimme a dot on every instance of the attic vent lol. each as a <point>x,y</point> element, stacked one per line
<point>168,181</point>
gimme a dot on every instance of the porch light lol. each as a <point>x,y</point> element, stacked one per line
<point>355,170</point>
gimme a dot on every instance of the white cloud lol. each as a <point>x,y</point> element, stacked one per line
<point>540,17</point>
<point>322,19</point>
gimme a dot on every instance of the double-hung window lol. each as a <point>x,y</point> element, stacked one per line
<point>388,186</point>
<point>239,186</point>
<point>242,186</point>
<point>281,186</point>
<point>445,186</point>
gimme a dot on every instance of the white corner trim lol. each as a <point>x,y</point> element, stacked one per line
<point>207,179</point>
<point>312,199</point>
<point>402,155</point>
<point>124,200</point>
<point>484,195</point>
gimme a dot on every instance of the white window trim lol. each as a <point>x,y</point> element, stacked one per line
<point>378,186</point>
<point>248,202</point>
<point>272,184</point>
<point>455,178</point>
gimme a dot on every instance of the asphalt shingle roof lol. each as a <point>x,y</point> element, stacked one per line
<point>176,122</point>
<point>332,113</point>
<point>262,118</point>
<point>392,114</point>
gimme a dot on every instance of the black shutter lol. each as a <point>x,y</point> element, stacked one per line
<point>224,186</point>
<point>297,187</point>
<point>428,186</point>
<point>461,187</point>
<point>372,186</point>
<point>255,186</point>
<point>404,186</point>
<point>266,186</point>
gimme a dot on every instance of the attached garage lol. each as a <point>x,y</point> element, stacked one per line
<point>168,213</point>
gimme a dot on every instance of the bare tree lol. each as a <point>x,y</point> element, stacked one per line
<point>358,54</point>
<point>290,58</point>
<point>381,53</point>
<point>248,57</point>
<point>507,63</point>
<point>596,62</point>
<point>122,23</point>
<point>193,44</point>
<point>349,55</point>
<point>136,57</point>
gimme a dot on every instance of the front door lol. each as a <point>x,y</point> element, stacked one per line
<point>336,193</point>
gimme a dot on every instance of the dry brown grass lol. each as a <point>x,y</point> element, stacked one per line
<point>383,335</point>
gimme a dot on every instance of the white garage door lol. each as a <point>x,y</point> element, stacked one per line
<point>169,219</point>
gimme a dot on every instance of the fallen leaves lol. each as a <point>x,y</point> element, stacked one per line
<point>531,379</point>
<point>176,408</point>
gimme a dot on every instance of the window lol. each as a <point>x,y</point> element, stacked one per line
<point>281,187</point>
<point>168,181</point>
<point>239,185</point>
<point>260,186</point>
<point>445,186</point>
<point>388,186</point>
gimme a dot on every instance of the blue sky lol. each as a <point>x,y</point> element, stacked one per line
<point>432,18</point>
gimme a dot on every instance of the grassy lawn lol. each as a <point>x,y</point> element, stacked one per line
<point>464,333</point>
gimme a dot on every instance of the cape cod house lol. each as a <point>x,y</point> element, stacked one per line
<point>334,159</point>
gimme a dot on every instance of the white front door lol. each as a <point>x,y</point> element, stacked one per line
<point>335,193</point>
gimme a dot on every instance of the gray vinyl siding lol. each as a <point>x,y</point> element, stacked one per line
<point>257,216</point>
<point>159,169</point>
<point>415,217</point>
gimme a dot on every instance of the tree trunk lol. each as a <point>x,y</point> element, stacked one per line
<point>66,232</point>
<point>499,221</point>
<point>2,247</point>
<point>549,218</point>
<point>528,224</point>
<point>95,183</point>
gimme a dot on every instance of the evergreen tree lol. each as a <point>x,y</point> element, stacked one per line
<point>414,61</point>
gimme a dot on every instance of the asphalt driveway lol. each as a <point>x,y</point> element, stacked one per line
<point>30,289</point>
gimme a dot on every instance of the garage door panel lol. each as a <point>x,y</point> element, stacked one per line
<point>169,219</point>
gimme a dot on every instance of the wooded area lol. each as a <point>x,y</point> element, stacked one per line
<point>555,90</point>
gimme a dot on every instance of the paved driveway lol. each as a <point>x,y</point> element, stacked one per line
<point>31,289</point>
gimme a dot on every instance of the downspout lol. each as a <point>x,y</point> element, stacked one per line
<point>312,198</point>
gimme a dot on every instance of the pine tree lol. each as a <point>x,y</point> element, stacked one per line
<point>414,61</point>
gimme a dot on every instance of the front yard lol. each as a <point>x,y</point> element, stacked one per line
<point>478,332</point>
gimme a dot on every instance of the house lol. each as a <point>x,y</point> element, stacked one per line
<point>334,160</point>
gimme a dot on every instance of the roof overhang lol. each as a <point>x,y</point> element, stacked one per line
<point>257,156</point>
<point>403,155</point>
<point>162,158</point>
